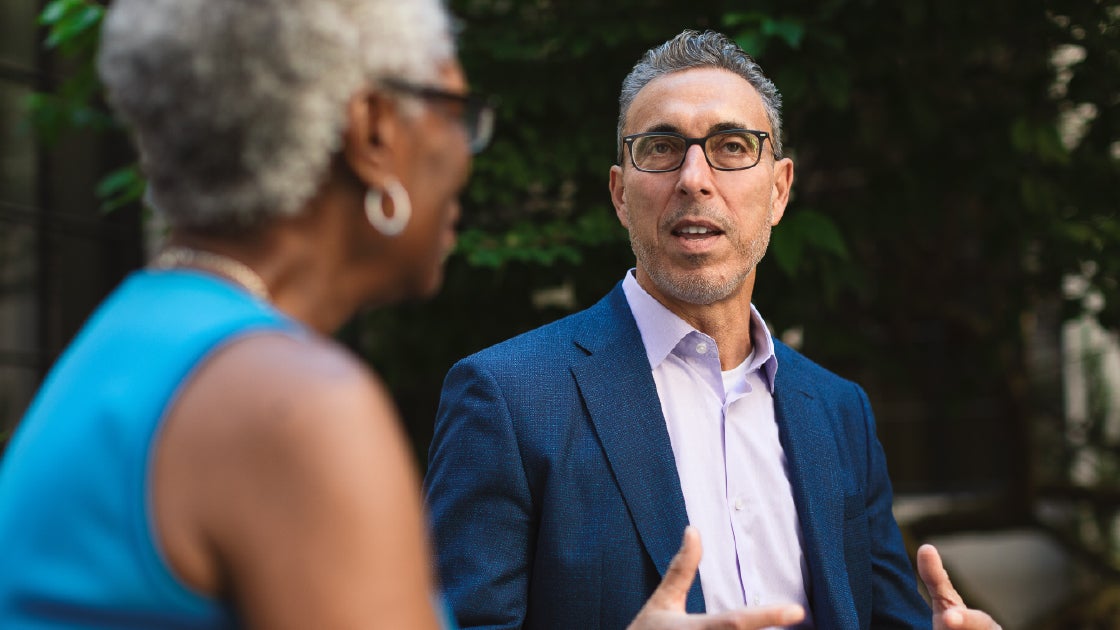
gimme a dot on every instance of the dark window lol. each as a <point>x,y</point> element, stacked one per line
<point>59,254</point>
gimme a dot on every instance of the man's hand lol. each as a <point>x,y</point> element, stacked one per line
<point>949,611</point>
<point>665,608</point>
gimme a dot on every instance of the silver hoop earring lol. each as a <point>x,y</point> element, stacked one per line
<point>402,208</point>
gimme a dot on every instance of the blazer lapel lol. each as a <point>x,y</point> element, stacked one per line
<point>810,448</point>
<point>618,389</point>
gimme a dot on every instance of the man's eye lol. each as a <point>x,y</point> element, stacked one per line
<point>737,144</point>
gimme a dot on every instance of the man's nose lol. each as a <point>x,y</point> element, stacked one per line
<point>695,173</point>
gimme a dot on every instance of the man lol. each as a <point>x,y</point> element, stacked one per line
<point>567,461</point>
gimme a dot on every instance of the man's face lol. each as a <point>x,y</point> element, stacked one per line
<point>699,233</point>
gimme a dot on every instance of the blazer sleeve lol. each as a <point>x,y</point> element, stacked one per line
<point>479,502</point>
<point>896,602</point>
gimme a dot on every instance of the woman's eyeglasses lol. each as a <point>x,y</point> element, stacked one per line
<point>477,111</point>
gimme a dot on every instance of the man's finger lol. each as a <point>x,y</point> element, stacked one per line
<point>969,619</point>
<point>673,590</point>
<point>666,607</point>
<point>936,579</point>
<point>750,618</point>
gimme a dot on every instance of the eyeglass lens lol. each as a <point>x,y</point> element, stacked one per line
<point>477,112</point>
<point>728,150</point>
<point>479,120</point>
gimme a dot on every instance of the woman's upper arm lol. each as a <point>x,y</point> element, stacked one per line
<point>305,493</point>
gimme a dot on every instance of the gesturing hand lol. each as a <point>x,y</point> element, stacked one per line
<point>665,609</point>
<point>949,610</point>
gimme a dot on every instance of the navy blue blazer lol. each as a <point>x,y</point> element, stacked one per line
<point>555,499</point>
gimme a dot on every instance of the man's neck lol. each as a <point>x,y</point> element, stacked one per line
<point>727,321</point>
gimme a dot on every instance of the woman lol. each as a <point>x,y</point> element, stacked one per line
<point>203,455</point>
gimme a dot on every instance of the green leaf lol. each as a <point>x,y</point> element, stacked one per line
<point>1048,143</point>
<point>788,30</point>
<point>801,232</point>
<point>737,19</point>
<point>822,232</point>
<point>67,30</point>
<point>89,17</point>
<point>120,188</point>
<point>785,247</point>
<point>57,9</point>
<point>752,42</point>
<point>116,181</point>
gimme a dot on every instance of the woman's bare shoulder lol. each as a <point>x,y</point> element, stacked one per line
<point>291,443</point>
<point>280,382</point>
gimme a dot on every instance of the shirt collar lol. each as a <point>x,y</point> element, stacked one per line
<point>662,330</point>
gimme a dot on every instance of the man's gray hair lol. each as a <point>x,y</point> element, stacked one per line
<point>693,49</point>
<point>237,106</point>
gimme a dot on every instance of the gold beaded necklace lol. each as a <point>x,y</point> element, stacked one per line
<point>239,272</point>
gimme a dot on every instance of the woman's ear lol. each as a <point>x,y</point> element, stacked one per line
<point>372,132</point>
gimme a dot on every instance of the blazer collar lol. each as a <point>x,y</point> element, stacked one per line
<point>811,452</point>
<point>618,389</point>
<point>617,386</point>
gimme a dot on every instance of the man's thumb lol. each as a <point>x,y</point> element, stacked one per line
<point>673,590</point>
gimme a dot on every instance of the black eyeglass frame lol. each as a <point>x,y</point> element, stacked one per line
<point>483,107</point>
<point>688,142</point>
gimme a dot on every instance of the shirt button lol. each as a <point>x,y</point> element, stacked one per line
<point>738,505</point>
<point>702,348</point>
<point>757,600</point>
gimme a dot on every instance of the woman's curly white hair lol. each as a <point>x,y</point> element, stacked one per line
<point>237,106</point>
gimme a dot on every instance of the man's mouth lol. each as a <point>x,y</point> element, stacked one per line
<point>694,230</point>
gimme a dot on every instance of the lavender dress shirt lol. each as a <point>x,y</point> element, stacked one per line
<point>732,468</point>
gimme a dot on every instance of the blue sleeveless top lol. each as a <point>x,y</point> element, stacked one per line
<point>76,526</point>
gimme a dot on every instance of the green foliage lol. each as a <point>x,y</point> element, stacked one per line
<point>121,187</point>
<point>802,232</point>
<point>939,191</point>
<point>951,169</point>
<point>756,29</point>
<point>936,199</point>
<point>73,27</point>
<point>73,31</point>
<point>540,243</point>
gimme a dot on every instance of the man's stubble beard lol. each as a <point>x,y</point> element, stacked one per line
<point>694,286</point>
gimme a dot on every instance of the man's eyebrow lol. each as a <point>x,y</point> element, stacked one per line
<point>725,126</point>
<point>716,128</point>
<point>663,128</point>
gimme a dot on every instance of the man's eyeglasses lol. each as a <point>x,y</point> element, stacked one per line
<point>477,111</point>
<point>664,151</point>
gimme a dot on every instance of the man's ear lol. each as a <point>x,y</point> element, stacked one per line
<point>618,198</point>
<point>371,135</point>
<point>779,193</point>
